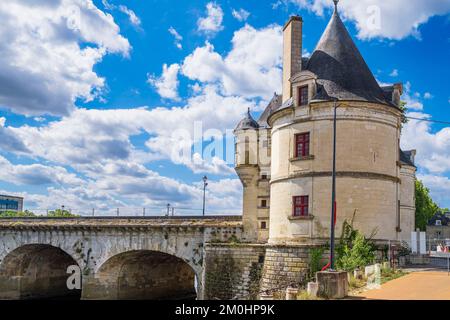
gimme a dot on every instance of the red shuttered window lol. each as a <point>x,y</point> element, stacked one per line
<point>300,206</point>
<point>302,145</point>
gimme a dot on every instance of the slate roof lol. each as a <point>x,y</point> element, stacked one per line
<point>405,158</point>
<point>273,105</point>
<point>445,221</point>
<point>247,123</point>
<point>341,69</point>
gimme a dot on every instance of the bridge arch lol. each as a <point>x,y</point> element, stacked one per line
<point>146,274</point>
<point>36,271</point>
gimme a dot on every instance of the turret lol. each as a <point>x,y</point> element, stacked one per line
<point>246,133</point>
<point>247,168</point>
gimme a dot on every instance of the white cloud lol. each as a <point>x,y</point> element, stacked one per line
<point>43,66</point>
<point>113,189</point>
<point>433,148</point>
<point>35,174</point>
<point>167,84</point>
<point>241,14</point>
<point>177,37</point>
<point>395,19</point>
<point>215,165</point>
<point>306,53</point>
<point>134,19</point>
<point>412,99</point>
<point>89,138</point>
<point>394,73</point>
<point>39,119</point>
<point>251,69</point>
<point>8,140</point>
<point>97,144</point>
<point>212,23</point>
<point>439,188</point>
<point>427,95</point>
<point>225,195</point>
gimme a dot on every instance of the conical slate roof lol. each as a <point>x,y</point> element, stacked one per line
<point>273,105</point>
<point>341,70</point>
<point>247,123</point>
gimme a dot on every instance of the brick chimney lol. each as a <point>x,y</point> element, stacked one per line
<point>292,53</point>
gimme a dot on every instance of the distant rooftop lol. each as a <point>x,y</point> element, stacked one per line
<point>9,196</point>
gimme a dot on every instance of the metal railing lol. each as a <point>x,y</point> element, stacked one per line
<point>147,211</point>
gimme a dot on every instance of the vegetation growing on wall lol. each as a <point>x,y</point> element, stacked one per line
<point>404,109</point>
<point>315,261</point>
<point>255,277</point>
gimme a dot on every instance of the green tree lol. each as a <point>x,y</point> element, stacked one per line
<point>16,214</point>
<point>58,213</point>
<point>404,109</point>
<point>425,206</point>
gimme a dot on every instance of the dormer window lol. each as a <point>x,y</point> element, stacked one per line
<point>303,96</point>
<point>438,222</point>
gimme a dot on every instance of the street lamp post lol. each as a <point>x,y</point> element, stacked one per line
<point>333,190</point>
<point>205,178</point>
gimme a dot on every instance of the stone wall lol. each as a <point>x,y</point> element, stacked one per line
<point>95,244</point>
<point>244,271</point>
<point>285,266</point>
<point>232,271</point>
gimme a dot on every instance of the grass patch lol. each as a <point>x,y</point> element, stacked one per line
<point>356,284</point>
<point>303,295</point>
<point>389,274</point>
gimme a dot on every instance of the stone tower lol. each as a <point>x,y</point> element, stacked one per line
<point>253,167</point>
<point>375,179</point>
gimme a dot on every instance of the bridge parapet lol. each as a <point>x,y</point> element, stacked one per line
<point>92,242</point>
<point>198,221</point>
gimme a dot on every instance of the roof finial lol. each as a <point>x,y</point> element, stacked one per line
<point>335,5</point>
<point>248,110</point>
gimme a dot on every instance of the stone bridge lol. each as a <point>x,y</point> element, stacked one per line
<point>118,258</point>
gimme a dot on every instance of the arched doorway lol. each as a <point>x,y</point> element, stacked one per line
<point>149,275</point>
<point>37,271</point>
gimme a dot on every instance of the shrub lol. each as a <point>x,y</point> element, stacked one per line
<point>315,262</point>
<point>356,255</point>
<point>354,250</point>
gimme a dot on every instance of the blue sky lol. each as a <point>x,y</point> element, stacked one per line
<point>94,94</point>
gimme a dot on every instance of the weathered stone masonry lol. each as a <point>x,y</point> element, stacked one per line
<point>233,271</point>
<point>118,257</point>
